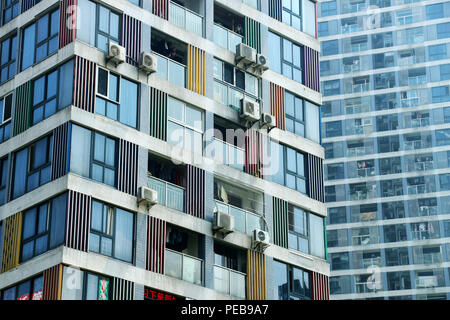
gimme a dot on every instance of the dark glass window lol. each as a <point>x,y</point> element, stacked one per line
<point>3,179</point>
<point>291,283</point>
<point>330,47</point>
<point>295,122</point>
<point>339,261</point>
<point>11,9</point>
<point>298,229</point>
<point>8,58</point>
<point>29,290</point>
<point>5,117</point>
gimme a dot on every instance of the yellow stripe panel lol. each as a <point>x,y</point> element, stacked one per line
<point>11,242</point>
<point>256,275</point>
<point>196,70</point>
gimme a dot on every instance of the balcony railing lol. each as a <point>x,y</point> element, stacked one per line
<point>413,81</point>
<point>229,95</point>
<point>363,240</point>
<point>431,258</point>
<point>184,267</point>
<point>169,195</point>
<point>230,155</point>
<point>421,234</point>
<point>410,102</point>
<point>426,282</point>
<point>360,87</point>
<point>229,281</point>
<point>226,38</point>
<point>416,144</point>
<point>362,195</point>
<point>171,70</point>
<point>425,211</point>
<point>371,262</point>
<point>366,172</point>
<point>422,122</point>
<point>244,221</point>
<point>186,19</point>
<point>419,188</point>
<point>357,151</point>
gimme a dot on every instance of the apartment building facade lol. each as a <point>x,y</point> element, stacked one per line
<point>88,137</point>
<point>385,133</point>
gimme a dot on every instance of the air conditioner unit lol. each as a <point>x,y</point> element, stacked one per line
<point>148,62</point>
<point>223,222</point>
<point>262,62</point>
<point>116,53</point>
<point>250,109</point>
<point>260,237</point>
<point>147,195</point>
<point>245,54</point>
<point>268,120</point>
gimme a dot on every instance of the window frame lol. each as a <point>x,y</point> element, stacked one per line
<point>295,174</point>
<point>46,99</point>
<point>8,122</point>
<point>99,277</point>
<point>290,14</point>
<point>104,165</point>
<point>97,30</point>
<point>36,235</point>
<point>11,6</point>
<point>294,118</point>
<point>12,56</point>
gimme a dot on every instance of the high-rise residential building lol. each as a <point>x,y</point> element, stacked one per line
<point>161,150</point>
<point>385,70</point>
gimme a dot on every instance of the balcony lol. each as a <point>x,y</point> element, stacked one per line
<point>229,95</point>
<point>363,240</point>
<point>414,81</point>
<point>431,258</point>
<point>171,70</point>
<point>421,234</point>
<point>229,154</point>
<point>366,172</point>
<point>226,38</point>
<point>184,267</point>
<point>371,262</point>
<point>426,282</point>
<point>425,211</point>
<point>356,151</point>
<point>229,281</point>
<point>418,189</point>
<point>360,87</point>
<point>245,221</point>
<point>185,19</point>
<point>169,195</point>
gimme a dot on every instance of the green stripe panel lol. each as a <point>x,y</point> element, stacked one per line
<point>22,108</point>
<point>158,114</point>
<point>252,34</point>
<point>280,222</point>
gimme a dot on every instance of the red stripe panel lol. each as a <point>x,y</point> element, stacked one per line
<point>67,22</point>
<point>253,153</point>
<point>52,283</point>
<point>161,8</point>
<point>311,73</point>
<point>131,38</point>
<point>78,221</point>
<point>127,167</point>
<point>195,192</point>
<point>156,244</point>
<point>321,290</point>
<point>277,105</point>
<point>84,84</point>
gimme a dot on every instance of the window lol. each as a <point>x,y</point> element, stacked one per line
<point>443,30</point>
<point>335,171</point>
<point>100,25</point>
<point>43,227</point>
<point>29,290</point>
<point>339,261</point>
<point>5,117</point>
<point>444,71</point>
<point>32,166</point>
<point>11,9</point>
<point>323,29</point>
<point>93,155</point>
<point>330,47</point>
<point>292,13</point>
<point>435,11</point>
<point>328,8</point>
<point>331,87</point>
<point>333,129</point>
<point>309,17</point>
<point>437,52</point>
<point>184,125</point>
<point>291,283</point>
<point>96,287</point>
<point>111,231</point>
<point>8,58</point>
<point>117,98</point>
<point>294,114</point>
<point>440,94</point>
<point>40,39</point>
<point>3,179</point>
<point>286,57</point>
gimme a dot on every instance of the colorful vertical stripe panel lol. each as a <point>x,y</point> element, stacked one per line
<point>195,191</point>
<point>315,178</point>
<point>12,236</point>
<point>60,150</point>
<point>158,114</point>
<point>22,108</point>
<point>122,289</point>
<point>161,8</point>
<point>311,69</point>
<point>254,153</point>
<point>320,287</point>
<point>84,84</point>
<point>280,222</point>
<point>127,167</point>
<point>195,77</point>
<point>27,4</point>
<point>276,9</point>
<point>67,22</point>
<point>131,38</point>
<point>252,34</point>
<point>78,221</point>
<point>256,276</point>
<point>277,108</point>
<point>53,283</point>
<point>156,244</point>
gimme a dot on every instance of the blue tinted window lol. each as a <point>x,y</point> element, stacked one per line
<point>330,47</point>
<point>28,46</point>
<point>107,28</point>
<point>435,11</point>
<point>10,10</point>
<point>328,8</point>
<point>437,52</point>
<point>8,58</point>
<point>443,30</point>
<point>445,71</point>
<point>3,179</point>
<point>103,160</point>
<point>440,94</point>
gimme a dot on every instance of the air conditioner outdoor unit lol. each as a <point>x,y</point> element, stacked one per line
<point>147,195</point>
<point>250,109</point>
<point>262,62</point>
<point>223,222</point>
<point>268,121</point>
<point>148,62</point>
<point>116,53</point>
<point>245,54</point>
<point>260,237</point>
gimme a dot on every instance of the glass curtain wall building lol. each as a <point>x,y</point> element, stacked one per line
<point>385,128</point>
